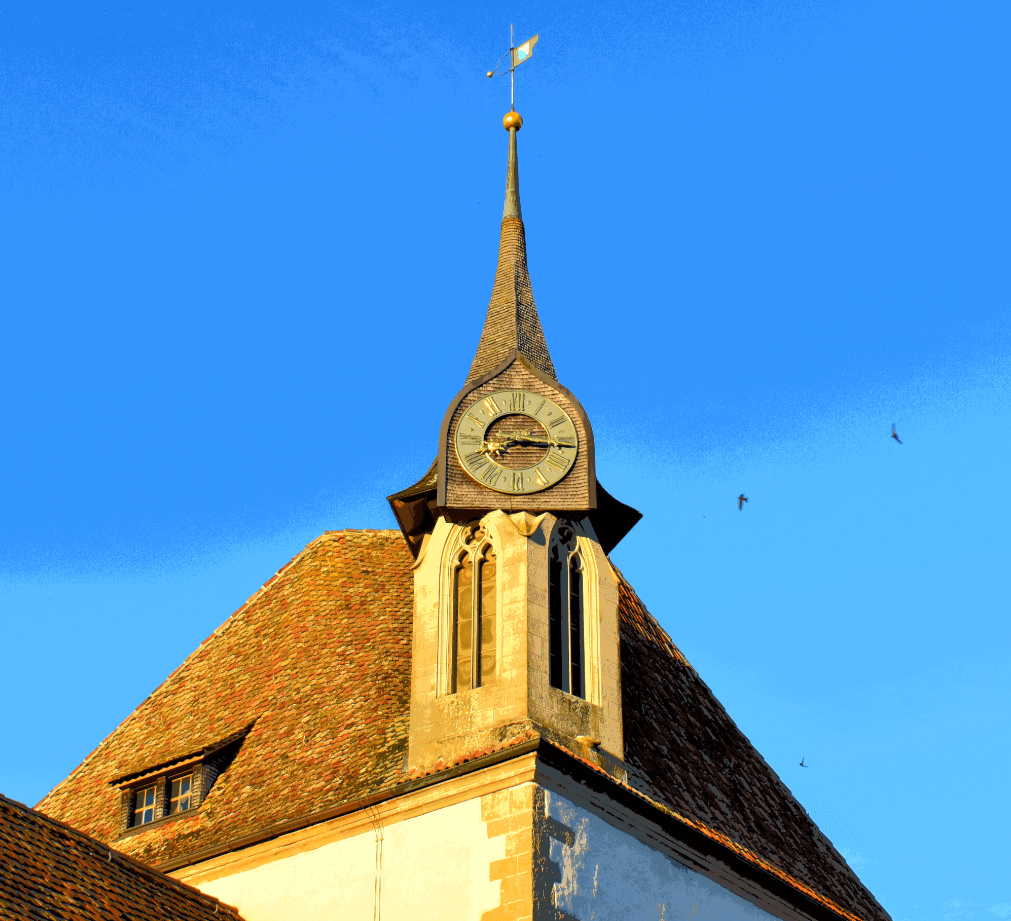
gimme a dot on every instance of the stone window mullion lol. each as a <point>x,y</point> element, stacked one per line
<point>475,621</point>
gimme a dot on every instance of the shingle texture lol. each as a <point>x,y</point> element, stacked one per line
<point>512,323</point>
<point>702,766</point>
<point>51,872</point>
<point>319,661</point>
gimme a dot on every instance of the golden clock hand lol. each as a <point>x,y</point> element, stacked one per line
<point>495,448</point>
<point>499,447</point>
<point>517,441</point>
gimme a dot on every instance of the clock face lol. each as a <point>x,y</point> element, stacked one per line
<point>514,441</point>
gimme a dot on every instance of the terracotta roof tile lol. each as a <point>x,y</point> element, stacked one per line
<point>319,660</point>
<point>49,871</point>
<point>704,768</point>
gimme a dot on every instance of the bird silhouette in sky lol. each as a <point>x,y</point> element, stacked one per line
<point>741,499</point>
<point>802,762</point>
<point>895,434</point>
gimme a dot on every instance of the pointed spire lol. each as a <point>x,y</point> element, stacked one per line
<point>512,196</point>
<point>512,323</point>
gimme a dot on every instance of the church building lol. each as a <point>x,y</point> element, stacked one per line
<point>471,718</point>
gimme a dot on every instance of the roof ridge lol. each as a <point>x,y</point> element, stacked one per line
<point>355,531</point>
<point>104,850</point>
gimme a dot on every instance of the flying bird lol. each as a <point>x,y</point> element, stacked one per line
<point>741,499</point>
<point>802,762</point>
<point>894,435</point>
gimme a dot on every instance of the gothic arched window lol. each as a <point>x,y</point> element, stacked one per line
<point>566,615</point>
<point>474,616</point>
<point>576,654</point>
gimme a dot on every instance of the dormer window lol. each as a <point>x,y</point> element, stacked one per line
<point>474,614</point>
<point>174,788</point>
<point>180,794</point>
<point>144,805</point>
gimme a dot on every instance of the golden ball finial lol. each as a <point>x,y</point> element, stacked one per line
<point>512,120</point>
<point>490,74</point>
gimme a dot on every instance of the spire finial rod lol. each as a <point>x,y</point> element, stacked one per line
<point>512,123</point>
<point>512,72</point>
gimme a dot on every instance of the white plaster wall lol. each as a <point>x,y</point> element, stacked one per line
<point>435,867</point>
<point>607,875</point>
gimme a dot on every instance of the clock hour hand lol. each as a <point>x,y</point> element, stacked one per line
<point>524,440</point>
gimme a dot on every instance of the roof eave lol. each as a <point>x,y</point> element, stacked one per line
<point>705,845</point>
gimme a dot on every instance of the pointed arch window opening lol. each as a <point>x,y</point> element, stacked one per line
<point>566,621</point>
<point>576,644</point>
<point>475,620</point>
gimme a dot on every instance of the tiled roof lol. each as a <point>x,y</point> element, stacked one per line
<point>320,659</point>
<point>703,767</point>
<point>49,871</point>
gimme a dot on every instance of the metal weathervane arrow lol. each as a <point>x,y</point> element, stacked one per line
<point>517,55</point>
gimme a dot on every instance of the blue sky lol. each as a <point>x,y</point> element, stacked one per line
<point>759,234</point>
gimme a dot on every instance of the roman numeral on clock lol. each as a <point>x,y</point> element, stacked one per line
<point>557,462</point>
<point>496,461</point>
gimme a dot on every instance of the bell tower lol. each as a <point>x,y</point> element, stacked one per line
<point>515,601</point>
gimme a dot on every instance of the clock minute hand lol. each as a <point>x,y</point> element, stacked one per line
<point>529,439</point>
<point>535,443</point>
<point>525,440</point>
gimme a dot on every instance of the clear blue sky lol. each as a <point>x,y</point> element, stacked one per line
<point>759,234</point>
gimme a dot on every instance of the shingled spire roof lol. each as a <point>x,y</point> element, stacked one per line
<point>511,327</point>
<point>512,324</point>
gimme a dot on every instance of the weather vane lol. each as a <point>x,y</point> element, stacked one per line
<point>516,55</point>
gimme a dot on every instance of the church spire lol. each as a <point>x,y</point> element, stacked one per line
<point>512,324</point>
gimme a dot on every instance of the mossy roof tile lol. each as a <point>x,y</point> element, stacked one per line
<point>52,872</point>
<point>319,662</point>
